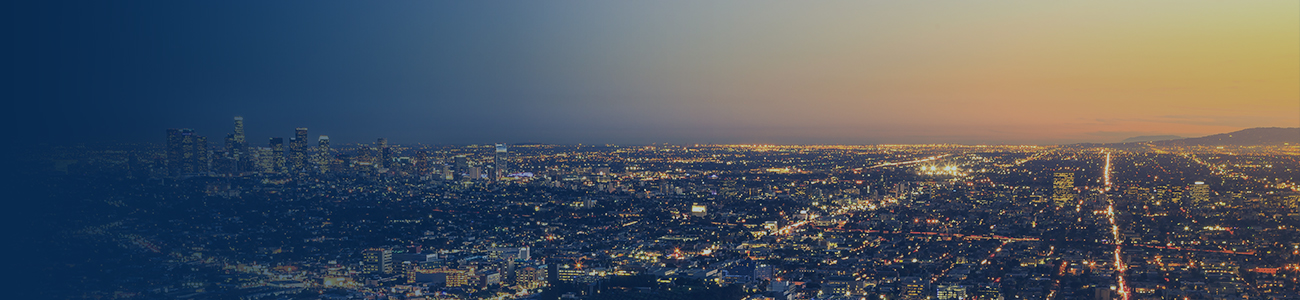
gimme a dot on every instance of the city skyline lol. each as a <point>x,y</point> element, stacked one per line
<point>638,73</point>
<point>657,150</point>
<point>753,222</point>
<point>237,138</point>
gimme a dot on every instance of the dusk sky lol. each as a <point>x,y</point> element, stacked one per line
<point>472,72</point>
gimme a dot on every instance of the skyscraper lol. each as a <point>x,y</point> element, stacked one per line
<point>239,130</point>
<point>298,150</point>
<point>1063,188</point>
<point>365,154</point>
<point>499,162</point>
<point>462,163</point>
<point>237,147</point>
<point>474,173</point>
<point>265,161</point>
<point>422,164</point>
<point>227,162</point>
<point>187,153</point>
<point>1199,193</point>
<point>277,155</point>
<point>174,151</point>
<point>323,156</point>
<point>232,147</point>
<point>460,166</point>
<point>385,154</point>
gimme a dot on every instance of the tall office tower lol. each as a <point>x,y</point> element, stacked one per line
<point>323,156</point>
<point>1199,193</point>
<point>462,163</point>
<point>231,146</point>
<point>187,153</point>
<point>298,150</point>
<point>277,155</point>
<point>473,173</point>
<point>377,260</point>
<point>238,147</point>
<point>499,162</point>
<point>364,154</point>
<point>174,151</point>
<point>239,130</point>
<point>422,164</point>
<point>199,153</point>
<point>229,158</point>
<point>1063,188</point>
<point>264,160</point>
<point>385,154</point>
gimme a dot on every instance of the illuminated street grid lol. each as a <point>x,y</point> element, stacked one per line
<point>685,221</point>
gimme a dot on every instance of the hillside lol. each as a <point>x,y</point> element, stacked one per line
<point>1150,138</point>
<point>1245,137</point>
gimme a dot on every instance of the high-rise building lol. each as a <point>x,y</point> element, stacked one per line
<point>323,155</point>
<point>175,151</point>
<point>298,150</point>
<point>1199,193</point>
<point>187,153</point>
<point>230,157</point>
<point>365,154</point>
<point>238,147</point>
<point>385,154</point>
<point>239,130</point>
<point>462,163</point>
<point>461,166</point>
<point>377,260</point>
<point>277,155</point>
<point>474,173</point>
<point>1063,188</point>
<point>423,165</point>
<point>264,160</point>
<point>500,162</point>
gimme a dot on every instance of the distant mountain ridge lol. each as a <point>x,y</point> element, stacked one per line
<point>1264,136</point>
<point>1151,138</point>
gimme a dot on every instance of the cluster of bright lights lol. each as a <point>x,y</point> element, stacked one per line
<point>945,170</point>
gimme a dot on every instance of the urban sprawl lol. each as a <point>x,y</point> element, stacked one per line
<point>190,218</point>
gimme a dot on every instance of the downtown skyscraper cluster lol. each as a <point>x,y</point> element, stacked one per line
<point>189,155</point>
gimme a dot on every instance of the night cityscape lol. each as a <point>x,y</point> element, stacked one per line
<point>677,150</point>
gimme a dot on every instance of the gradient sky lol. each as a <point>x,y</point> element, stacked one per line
<point>850,72</point>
